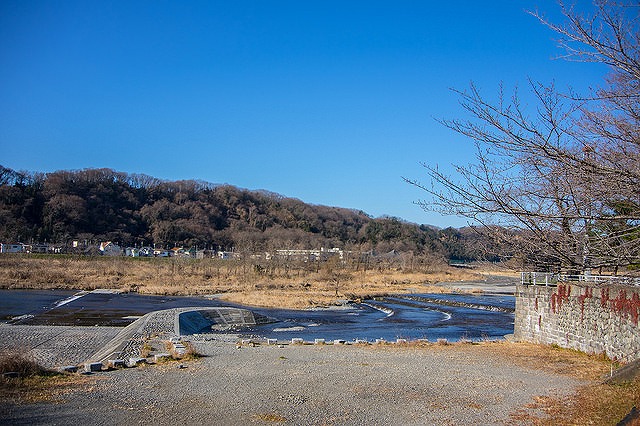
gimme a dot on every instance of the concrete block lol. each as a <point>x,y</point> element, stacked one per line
<point>179,348</point>
<point>136,361</point>
<point>297,341</point>
<point>93,367</point>
<point>272,341</point>
<point>68,369</point>
<point>116,363</point>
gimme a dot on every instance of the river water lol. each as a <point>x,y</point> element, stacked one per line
<point>415,316</point>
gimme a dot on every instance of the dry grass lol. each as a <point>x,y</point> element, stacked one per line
<point>594,403</point>
<point>34,383</point>
<point>270,418</point>
<point>146,349</point>
<point>189,354</point>
<point>17,361</point>
<point>242,282</point>
<point>551,358</point>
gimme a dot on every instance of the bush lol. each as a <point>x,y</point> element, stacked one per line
<point>16,361</point>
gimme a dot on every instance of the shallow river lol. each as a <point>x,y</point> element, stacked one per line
<point>415,316</point>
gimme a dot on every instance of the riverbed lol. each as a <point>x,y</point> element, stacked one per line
<point>417,316</point>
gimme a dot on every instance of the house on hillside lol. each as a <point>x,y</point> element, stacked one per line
<point>110,249</point>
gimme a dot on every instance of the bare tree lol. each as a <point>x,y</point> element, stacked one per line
<point>565,177</point>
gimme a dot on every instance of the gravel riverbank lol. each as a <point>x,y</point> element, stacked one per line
<point>310,384</point>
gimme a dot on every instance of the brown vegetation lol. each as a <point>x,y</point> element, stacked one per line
<point>33,383</point>
<point>246,282</point>
<point>595,402</point>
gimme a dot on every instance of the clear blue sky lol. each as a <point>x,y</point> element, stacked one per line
<point>330,102</point>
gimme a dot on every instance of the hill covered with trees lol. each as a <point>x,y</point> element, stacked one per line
<point>132,209</point>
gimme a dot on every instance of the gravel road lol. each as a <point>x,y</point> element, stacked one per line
<point>310,384</point>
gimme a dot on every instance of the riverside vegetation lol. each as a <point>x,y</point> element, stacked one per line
<point>249,282</point>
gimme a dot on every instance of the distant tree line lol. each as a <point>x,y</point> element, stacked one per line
<point>132,209</point>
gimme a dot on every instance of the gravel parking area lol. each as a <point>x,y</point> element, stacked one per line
<point>310,384</point>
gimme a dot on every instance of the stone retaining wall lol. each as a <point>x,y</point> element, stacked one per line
<point>592,319</point>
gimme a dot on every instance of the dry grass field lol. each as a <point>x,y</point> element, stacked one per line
<point>246,282</point>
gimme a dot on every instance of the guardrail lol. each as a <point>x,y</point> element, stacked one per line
<point>552,279</point>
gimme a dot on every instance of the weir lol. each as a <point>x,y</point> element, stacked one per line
<point>176,322</point>
<point>205,320</point>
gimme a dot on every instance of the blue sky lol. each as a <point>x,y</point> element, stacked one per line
<point>329,102</point>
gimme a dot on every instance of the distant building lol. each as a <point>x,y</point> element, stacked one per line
<point>226,254</point>
<point>146,251</point>
<point>161,253</point>
<point>110,249</point>
<point>314,255</point>
<point>11,248</point>
<point>37,248</point>
<point>132,252</point>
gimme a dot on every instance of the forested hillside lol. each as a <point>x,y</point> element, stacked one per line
<point>132,209</point>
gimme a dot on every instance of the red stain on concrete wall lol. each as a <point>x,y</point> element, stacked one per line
<point>624,306</point>
<point>559,297</point>
<point>588,294</point>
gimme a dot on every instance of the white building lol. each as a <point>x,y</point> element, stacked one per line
<point>11,248</point>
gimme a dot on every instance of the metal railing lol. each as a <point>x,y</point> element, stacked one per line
<point>552,279</point>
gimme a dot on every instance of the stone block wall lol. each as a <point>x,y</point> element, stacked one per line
<point>590,318</point>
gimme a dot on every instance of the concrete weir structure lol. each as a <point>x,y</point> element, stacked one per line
<point>586,316</point>
<point>204,320</point>
<point>175,322</point>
